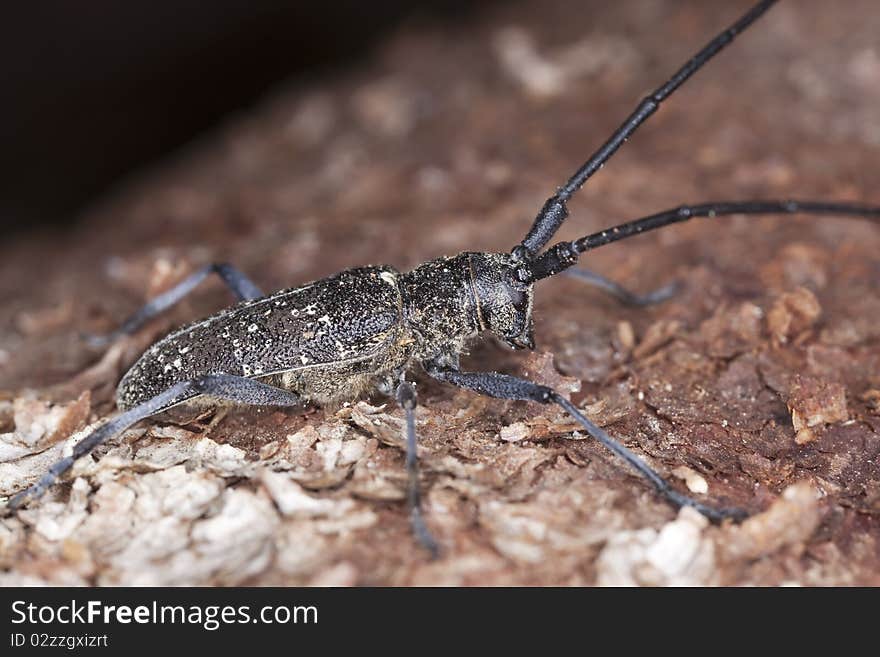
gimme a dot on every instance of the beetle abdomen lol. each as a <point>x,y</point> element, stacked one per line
<point>345,320</point>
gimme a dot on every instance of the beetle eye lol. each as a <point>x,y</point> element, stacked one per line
<point>517,297</point>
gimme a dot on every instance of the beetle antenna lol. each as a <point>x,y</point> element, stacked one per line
<point>563,255</point>
<point>554,212</point>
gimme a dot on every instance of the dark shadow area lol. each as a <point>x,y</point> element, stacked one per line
<point>95,90</point>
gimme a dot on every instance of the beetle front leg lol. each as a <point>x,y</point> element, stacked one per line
<point>504,386</point>
<point>623,295</point>
<point>406,397</point>
<point>243,288</point>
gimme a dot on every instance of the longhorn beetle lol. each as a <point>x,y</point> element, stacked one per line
<point>361,329</point>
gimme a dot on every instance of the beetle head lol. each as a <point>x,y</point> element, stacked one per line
<point>504,305</point>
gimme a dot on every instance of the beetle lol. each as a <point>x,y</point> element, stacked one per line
<point>363,328</point>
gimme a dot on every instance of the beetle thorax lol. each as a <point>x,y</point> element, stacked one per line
<point>450,300</point>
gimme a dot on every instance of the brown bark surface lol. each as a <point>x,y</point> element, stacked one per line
<point>758,384</point>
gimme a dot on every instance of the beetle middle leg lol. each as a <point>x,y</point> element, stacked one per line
<point>243,288</point>
<point>224,387</point>
<point>406,397</point>
<point>504,386</point>
<point>623,295</point>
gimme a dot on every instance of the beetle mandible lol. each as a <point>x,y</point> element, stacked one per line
<point>334,339</point>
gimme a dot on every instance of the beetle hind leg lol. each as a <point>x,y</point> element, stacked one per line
<point>243,288</point>
<point>224,387</point>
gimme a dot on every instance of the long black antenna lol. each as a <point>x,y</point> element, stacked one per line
<point>554,212</point>
<point>564,254</point>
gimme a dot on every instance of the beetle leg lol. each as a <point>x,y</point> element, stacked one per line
<point>241,286</point>
<point>620,293</point>
<point>219,386</point>
<point>406,397</point>
<point>504,386</point>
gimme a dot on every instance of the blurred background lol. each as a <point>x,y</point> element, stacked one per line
<point>94,90</point>
<point>298,140</point>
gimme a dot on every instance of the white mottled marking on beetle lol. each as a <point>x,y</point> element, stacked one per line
<point>388,277</point>
<point>305,361</point>
<point>252,328</point>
